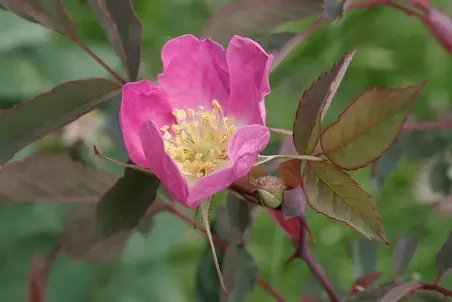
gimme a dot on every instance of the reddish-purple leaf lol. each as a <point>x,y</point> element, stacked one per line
<point>308,120</point>
<point>444,259</point>
<point>50,13</point>
<point>401,291</point>
<point>333,193</point>
<point>404,252</point>
<point>123,29</point>
<point>292,226</point>
<point>53,178</point>
<point>294,204</point>
<point>82,240</point>
<point>368,126</point>
<point>440,25</point>
<point>247,17</point>
<point>444,206</point>
<point>363,282</point>
<point>49,111</point>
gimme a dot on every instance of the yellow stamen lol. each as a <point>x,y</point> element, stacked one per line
<point>199,141</point>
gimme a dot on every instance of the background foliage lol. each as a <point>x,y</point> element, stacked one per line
<point>166,259</point>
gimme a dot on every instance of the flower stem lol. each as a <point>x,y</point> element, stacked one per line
<point>185,218</point>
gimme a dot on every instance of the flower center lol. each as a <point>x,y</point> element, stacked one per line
<point>199,140</point>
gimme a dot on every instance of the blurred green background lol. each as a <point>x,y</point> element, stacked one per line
<point>392,50</point>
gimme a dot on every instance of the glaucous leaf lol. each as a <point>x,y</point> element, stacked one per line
<point>123,206</point>
<point>443,258</point>
<point>53,178</point>
<point>366,129</point>
<point>332,192</point>
<point>247,17</point>
<point>335,8</point>
<point>401,291</point>
<point>240,272</point>
<point>123,29</point>
<point>49,111</point>
<point>50,13</point>
<point>403,252</point>
<point>315,100</point>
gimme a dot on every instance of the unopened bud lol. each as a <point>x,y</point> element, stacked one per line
<point>270,190</point>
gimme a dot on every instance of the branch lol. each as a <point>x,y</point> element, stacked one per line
<point>170,208</point>
<point>100,61</point>
<point>430,125</point>
<point>435,287</point>
<point>371,3</point>
<point>305,253</point>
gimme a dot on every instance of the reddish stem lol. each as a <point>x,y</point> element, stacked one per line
<point>372,3</point>
<point>435,287</point>
<point>431,125</point>
<point>305,253</point>
<point>100,61</point>
<point>176,212</point>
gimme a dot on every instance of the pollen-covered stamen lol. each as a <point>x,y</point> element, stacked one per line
<point>199,140</point>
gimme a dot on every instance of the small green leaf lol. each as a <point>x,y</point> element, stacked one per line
<point>335,194</point>
<point>53,178</point>
<point>123,206</point>
<point>246,17</point>
<point>401,291</point>
<point>123,29</point>
<point>241,273</point>
<point>443,258</point>
<point>49,111</point>
<point>50,13</point>
<point>366,129</point>
<point>313,105</point>
<point>239,214</point>
<point>404,252</point>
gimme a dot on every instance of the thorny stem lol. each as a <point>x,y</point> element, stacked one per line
<point>305,253</point>
<point>101,62</point>
<point>176,212</point>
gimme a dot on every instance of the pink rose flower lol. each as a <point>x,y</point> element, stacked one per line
<point>202,127</point>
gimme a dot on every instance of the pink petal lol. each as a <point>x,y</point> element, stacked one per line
<point>142,101</point>
<point>249,66</point>
<point>194,72</point>
<point>161,164</point>
<point>243,150</point>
